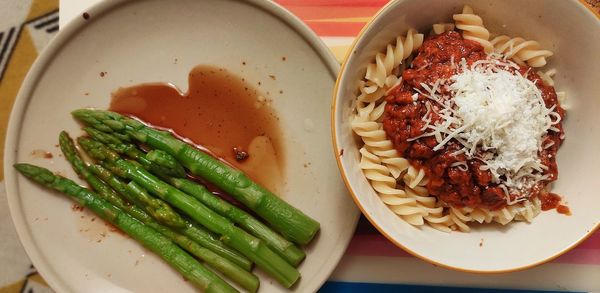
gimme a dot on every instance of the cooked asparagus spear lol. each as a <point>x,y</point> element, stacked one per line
<point>198,234</point>
<point>155,207</point>
<point>185,264</point>
<point>250,246</point>
<point>163,159</point>
<point>289,221</point>
<point>242,277</point>
<point>290,252</point>
<point>161,165</point>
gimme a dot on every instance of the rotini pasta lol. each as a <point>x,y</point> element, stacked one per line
<point>547,76</point>
<point>382,165</point>
<point>521,51</point>
<point>521,212</point>
<point>380,162</point>
<point>440,28</point>
<point>400,185</point>
<point>380,72</point>
<point>473,29</point>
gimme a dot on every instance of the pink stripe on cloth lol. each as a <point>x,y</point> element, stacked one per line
<point>307,13</point>
<point>587,252</point>
<point>373,245</point>
<point>591,243</point>
<point>334,3</point>
<point>580,256</point>
<point>344,29</point>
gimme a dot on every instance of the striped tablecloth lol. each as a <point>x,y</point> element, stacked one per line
<point>371,263</point>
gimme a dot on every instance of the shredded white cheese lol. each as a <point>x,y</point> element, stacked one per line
<point>499,117</point>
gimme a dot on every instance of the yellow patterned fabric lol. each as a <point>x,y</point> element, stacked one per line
<point>26,26</point>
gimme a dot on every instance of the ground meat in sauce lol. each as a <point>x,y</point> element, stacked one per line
<point>402,120</point>
<point>549,201</point>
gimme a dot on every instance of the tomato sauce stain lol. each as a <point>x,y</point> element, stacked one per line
<point>220,114</point>
<point>549,201</point>
<point>562,209</point>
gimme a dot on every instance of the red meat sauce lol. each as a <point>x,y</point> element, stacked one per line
<point>552,201</point>
<point>403,120</point>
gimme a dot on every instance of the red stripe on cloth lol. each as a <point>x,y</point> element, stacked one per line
<point>338,29</point>
<point>376,245</point>
<point>319,12</point>
<point>591,243</point>
<point>580,256</point>
<point>334,3</point>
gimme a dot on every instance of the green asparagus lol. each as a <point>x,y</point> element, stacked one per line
<point>198,234</point>
<point>289,221</point>
<point>161,163</point>
<point>189,267</point>
<point>282,246</point>
<point>250,246</point>
<point>162,159</point>
<point>155,207</point>
<point>229,269</point>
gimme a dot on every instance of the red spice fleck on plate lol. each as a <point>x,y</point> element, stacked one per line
<point>77,208</point>
<point>41,154</point>
<point>240,154</point>
<point>563,209</point>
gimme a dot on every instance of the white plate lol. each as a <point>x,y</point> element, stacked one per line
<point>138,41</point>
<point>492,248</point>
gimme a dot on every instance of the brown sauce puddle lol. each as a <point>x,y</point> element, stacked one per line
<point>219,112</point>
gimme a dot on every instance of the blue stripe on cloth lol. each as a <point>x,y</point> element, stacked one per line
<point>348,287</point>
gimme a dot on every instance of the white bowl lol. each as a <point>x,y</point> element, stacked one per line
<point>155,40</point>
<point>567,28</point>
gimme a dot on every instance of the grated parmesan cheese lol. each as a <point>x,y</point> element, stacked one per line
<point>499,117</point>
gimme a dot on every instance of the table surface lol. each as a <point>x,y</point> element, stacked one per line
<point>372,263</point>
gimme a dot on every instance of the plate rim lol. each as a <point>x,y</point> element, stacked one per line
<point>65,34</point>
<point>370,218</point>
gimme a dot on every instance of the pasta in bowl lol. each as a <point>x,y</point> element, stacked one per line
<point>457,120</point>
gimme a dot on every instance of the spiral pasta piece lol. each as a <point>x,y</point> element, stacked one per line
<point>473,29</point>
<point>521,51</point>
<point>383,171</point>
<point>525,211</point>
<point>380,72</point>
<point>414,177</point>
<point>459,219</point>
<point>547,76</point>
<point>440,28</point>
<point>369,92</point>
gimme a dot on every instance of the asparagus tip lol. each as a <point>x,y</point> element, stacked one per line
<point>38,174</point>
<point>80,113</point>
<point>21,167</point>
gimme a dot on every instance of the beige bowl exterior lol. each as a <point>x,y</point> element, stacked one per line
<point>571,31</point>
